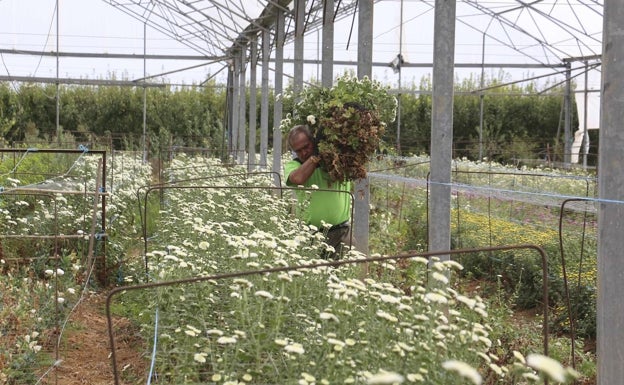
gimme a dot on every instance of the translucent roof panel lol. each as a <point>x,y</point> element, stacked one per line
<point>544,31</point>
<point>204,33</point>
<point>209,27</point>
<point>540,31</point>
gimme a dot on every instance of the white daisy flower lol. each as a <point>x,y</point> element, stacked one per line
<point>464,370</point>
<point>385,378</point>
<point>264,294</point>
<point>544,364</point>
<point>294,348</point>
<point>226,340</point>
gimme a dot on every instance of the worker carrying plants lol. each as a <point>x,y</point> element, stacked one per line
<point>333,133</point>
<point>328,211</point>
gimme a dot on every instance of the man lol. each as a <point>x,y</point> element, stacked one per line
<point>332,208</point>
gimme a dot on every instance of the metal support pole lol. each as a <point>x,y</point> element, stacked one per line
<point>242,104</point>
<point>235,107</point>
<point>400,64</point>
<point>482,99</point>
<point>58,86</point>
<point>327,71</point>
<point>279,79</point>
<point>610,314</point>
<point>365,68</point>
<point>567,118</point>
<point>253,61</point>
<point>264,102</point>
<point>228,145</point>
<point>585,110</point>
<point>299,43</point>
<point>442,126</point>
<point>144,138</point>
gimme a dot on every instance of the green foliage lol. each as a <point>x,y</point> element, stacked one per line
<point>321,102</point>
<point>415,124</point>
<point>189,116</point>
<point>517,122</point>
<point>347,120</point>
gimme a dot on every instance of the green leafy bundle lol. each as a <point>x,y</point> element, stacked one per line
<point>347,121</point>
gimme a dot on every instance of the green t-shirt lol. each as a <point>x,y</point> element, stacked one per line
<point>329,206</point>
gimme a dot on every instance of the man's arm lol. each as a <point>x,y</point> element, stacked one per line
<point>302,173</point>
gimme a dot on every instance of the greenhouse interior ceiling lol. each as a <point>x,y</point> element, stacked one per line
<point>522,38</point>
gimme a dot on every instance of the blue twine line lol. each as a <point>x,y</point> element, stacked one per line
<point>32,149</point>
<point>550,195</point>
<point>423,182</point>
<point>153,363</point>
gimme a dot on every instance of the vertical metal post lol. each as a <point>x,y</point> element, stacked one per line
<point>398,119</point>
<point>253,61</point>
<point>610,312</point>
<point>585,110</point>
<point>242,104</point>
<point>318,55</point>
<point>400,64</point>
<point>58,86</point>
<point>327,71</point>
<point>235,106</point>
<point>264,102</point>
<point>104,276</point>
<point>144,139</point>
<point>442,126</point>
<point>365,68</point>
<point>567,118</point>
<point>279,79</point>
<point>482,98</point>
<point>228,145</point>
<point>299,43</point>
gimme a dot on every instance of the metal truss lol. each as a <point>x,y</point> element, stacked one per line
<point>547,32</point>
<point>217,27</point>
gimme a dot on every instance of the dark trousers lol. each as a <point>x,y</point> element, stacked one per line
<point>337,236</point>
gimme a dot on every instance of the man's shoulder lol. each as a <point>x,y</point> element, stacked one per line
<point>290,166</point>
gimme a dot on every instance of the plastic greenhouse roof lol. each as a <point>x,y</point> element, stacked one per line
<point>539,31</point>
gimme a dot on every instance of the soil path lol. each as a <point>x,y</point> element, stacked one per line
<point>85,351</point>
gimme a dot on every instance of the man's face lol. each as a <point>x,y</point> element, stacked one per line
<point>302,146</point>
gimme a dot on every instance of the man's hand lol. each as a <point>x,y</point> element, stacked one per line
<point>315,159</point>
<point>300,175</point>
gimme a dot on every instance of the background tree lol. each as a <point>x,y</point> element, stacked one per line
<point>519,122</point>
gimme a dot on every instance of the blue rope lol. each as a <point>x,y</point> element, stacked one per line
<point>81,147</point>
<point>84,151</point>
<point>153,363</point>
<point>423,182</point>
<point>32,149</point>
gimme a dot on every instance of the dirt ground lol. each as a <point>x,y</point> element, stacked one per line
<point>85,349</point>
